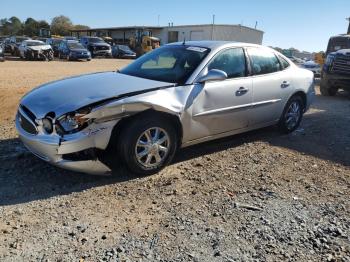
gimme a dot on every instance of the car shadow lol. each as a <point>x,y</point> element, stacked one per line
<point>324,134</point>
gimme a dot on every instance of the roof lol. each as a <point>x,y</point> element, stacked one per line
<point>125,28</point>
<point>33,40</point>
<point>117,28</point>
<point>216,25</point>
<point>213,44</point>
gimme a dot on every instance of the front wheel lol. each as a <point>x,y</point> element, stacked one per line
<point>292,114</point>
<point>327,90</point>
<point>148,144</point>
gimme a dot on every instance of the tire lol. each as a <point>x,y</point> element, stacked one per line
<point>292,115</point>
<point>135,131</point>
<point>327,90</point>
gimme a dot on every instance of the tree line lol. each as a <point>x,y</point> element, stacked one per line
<point>60,25</point>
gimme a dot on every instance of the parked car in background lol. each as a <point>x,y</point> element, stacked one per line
<point>35,50</point>
<point>313,67</point>
<point>55,43</point>
<point>73,50</point>
<point>122,51</point>
<point>2,52</point>
<point>14,43</point>
<point>175,96</point>
<point>43,39</point>
<point>96,46</point>
<point>70,38</point>
<point>2,39</point>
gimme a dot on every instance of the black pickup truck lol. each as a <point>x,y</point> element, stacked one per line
<point>336,69</point>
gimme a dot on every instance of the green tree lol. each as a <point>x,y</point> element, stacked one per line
<point>61,25</point>
<point>43,24</point>
<point>12,26</point>
<point>81,27</point>
<point>31,27</point>
<point>15,26</point>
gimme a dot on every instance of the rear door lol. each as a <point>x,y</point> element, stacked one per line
<point>268,82</point>
<point>223,106</point>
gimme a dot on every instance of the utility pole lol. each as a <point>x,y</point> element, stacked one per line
<point>212,28</point>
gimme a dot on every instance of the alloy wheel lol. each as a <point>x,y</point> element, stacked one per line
<point>293,115</point>
<point>152,147</point>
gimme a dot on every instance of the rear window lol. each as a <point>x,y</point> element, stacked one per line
<point>284,62</point>
<point>263,61</point>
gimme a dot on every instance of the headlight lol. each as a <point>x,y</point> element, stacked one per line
<point>47,125</point>
<point>0,49</point>
<point>329,59</point>
<point>73,122</point>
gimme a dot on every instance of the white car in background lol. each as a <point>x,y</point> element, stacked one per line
<point>35,50</point>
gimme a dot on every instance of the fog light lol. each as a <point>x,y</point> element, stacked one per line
<point>47,125</point>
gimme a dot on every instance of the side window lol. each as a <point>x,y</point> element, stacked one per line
<point>263,61</point>
<point>232,61</point>
<point>284,62</point>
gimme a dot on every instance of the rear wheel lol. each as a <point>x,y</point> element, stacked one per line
<point>292,114</point>
<point>147,144</point>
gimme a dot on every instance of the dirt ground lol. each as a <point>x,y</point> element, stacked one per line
<point>259,196</point>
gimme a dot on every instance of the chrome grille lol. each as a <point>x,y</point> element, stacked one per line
<point>26,121</point>
<point>341,65</point>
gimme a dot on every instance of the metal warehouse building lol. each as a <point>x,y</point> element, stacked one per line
<point>171,34</point>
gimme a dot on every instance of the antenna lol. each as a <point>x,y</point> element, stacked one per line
<point>158,19</point>
<point>349,25</point>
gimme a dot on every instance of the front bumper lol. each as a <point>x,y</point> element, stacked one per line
<point>336,80</point>
<point>79,56</point>
<point>104,52</point>
<point>53,149</point>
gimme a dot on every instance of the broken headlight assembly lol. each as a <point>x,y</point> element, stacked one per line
<point>73,122</point>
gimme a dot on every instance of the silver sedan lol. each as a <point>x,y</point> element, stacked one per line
<point>176,96</point>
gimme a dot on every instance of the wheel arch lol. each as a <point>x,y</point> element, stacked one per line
<point>300,93</point>
<point>172,118</point>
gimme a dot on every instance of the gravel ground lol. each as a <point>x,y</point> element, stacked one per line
<point>259,196</point>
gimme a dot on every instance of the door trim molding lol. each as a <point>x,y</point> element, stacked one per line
<point>233,108</point>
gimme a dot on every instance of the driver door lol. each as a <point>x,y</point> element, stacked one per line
<point>223,106</point>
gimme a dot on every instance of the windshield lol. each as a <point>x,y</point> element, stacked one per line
<point>35,43</point>
<point>95,40</point>
<point>21,39</point>
<point>124,48</point>
<point>173,64</point>
<point>75,46</point>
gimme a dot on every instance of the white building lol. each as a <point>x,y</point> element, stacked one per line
<point>171,34</point>
<point>236,33</point>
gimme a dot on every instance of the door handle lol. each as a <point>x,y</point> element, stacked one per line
<point>285,84</point>
<point>241,91</point>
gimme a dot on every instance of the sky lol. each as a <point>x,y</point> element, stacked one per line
<point>303,24</point>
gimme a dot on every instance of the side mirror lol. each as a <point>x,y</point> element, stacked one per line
<point>213,75</point>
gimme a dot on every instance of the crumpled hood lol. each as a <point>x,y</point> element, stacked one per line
<point>72,93</point>
<point>41,47</point>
